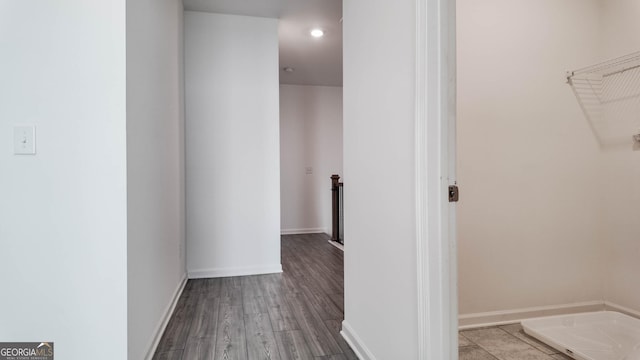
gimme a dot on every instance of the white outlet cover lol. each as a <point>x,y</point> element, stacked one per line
<point>24,140</point>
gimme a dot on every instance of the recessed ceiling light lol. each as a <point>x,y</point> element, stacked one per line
<point>288,69</point>
<point>316,33</point>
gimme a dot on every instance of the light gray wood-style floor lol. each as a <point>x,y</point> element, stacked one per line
<point>508,342</point>
<point>293,315</point>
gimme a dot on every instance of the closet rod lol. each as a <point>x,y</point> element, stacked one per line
<point>621,70</point>
<point>617,62</point>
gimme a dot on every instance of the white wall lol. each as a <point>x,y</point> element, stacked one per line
<point>529,218</point>
<point>232,145</point>
<point>621,171</point>
<point>155,167</point>
<point>380,253</point>
<point>310,136</point>
<point>63,211</point>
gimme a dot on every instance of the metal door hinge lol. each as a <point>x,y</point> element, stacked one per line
<point>454,193</point>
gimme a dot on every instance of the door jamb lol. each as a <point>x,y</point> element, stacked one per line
<point>435,90</point>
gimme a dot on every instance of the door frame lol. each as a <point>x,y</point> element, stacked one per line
<point>435,129</point>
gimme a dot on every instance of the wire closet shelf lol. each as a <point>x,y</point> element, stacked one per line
<point>609,95</point>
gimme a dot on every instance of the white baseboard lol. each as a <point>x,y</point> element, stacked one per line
<point>619,308</point>
<point>164,321</point>
<point>358,347</point>
<point>239,271</point>
<point>301,231</point>
<point>336,244</point>
<point>476,320</point>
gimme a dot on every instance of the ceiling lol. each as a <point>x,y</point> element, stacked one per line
<point>315,61</point>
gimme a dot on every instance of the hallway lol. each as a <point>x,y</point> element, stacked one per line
<point>293,315</point>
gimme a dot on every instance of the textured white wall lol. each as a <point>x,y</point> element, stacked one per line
<point>232,145</point>
<point>310,136</point>
<point>621,171</point>
<point>529,218</point>
<point>63,212</point>
<point>155,166</point>
<point>380,247</point>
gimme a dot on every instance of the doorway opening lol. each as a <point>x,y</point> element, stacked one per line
<point>539,230</point>
<point>310,56</point>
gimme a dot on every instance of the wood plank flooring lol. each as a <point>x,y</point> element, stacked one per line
<point>295,315</point>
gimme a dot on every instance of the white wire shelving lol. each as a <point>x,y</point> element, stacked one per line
<point>609,95</point>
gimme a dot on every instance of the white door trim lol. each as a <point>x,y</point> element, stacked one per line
<point>435,171</point>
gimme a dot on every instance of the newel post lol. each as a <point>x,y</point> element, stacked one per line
<point>335,208</point>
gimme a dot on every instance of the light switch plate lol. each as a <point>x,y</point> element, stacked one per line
<point>24,140</point>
